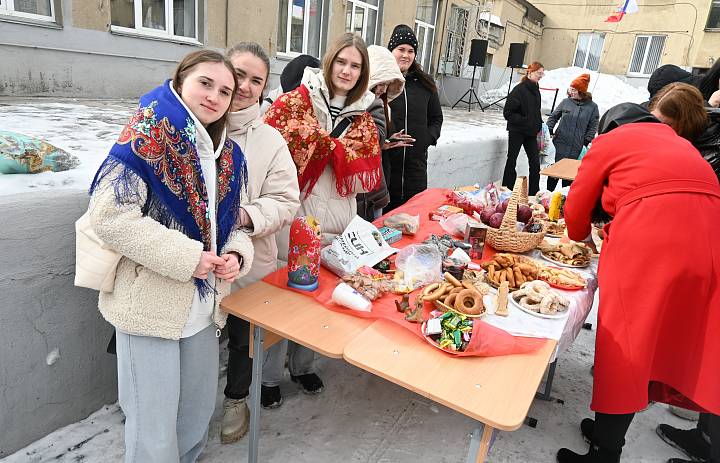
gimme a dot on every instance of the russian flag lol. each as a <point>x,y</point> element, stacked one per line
<point>629,7</point>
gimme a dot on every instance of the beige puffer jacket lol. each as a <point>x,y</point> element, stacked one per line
<point>334,212</point>
<point>154,289</point>
<point>273,195</point>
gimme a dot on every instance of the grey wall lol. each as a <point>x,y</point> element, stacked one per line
<point>53,366</point>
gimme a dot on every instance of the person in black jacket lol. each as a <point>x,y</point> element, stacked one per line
<point>522,111</point>
<point>417,116</point>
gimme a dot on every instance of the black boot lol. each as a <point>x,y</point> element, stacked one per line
<point>690,441</point>
<point>587,426</point>
<point>595,455</point>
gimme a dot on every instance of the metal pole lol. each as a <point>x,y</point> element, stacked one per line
<point>257,367</point>
<point>554,99</point>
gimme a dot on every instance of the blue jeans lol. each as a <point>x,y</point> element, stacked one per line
<point>167,391</point>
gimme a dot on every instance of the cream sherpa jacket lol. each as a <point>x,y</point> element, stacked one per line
<point>153,284</point>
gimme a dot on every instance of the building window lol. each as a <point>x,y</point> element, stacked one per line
<point>32,9</point>
<point>175,19</point>
<point>425,18</point>
<point>301,27</point>
<point>490,27</point>
<point>713,21</point>
<point>646,55</point>
<point>588,51</point>
<point>362,18</point>
<point>455,51</point>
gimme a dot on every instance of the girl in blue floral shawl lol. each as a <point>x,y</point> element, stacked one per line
<point>167,199</point>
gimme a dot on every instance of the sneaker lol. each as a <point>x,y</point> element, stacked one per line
<point>270,397</point>
<point>690,441</point>
<point>310,383</point>
<point>235,421</point>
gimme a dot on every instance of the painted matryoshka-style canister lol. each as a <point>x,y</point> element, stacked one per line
<point>304,254</point>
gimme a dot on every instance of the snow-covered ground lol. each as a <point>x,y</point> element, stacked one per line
<point>607,90</point>
<point>88,129</point>
<point>360,418</point>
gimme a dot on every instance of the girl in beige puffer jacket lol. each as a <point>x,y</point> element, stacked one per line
<point>271,202</point>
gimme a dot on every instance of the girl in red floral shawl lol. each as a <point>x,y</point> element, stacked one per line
<point>335,146</point>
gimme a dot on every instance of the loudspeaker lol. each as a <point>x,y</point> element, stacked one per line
<point>516,57</point>
<point>478,51</point>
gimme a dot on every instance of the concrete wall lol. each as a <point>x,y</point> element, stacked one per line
<point>53,367</point>
<point>459,161</point>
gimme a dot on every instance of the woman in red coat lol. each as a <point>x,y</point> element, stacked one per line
<point>659,274</point>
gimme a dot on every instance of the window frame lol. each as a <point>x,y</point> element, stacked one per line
<point>306,30</point>
<point>593,36</point>
<point>424,59</point>
<point>7,9</point>
<point>646,53</point>
<point>147,32</point>
<point>713,4</point>
<point>455,45</point>
<point>365,6</point>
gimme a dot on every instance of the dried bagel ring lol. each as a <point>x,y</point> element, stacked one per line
<point>452,279</point>
<point>469,301</point>
<point>450,299</point>
<point>435,294</point>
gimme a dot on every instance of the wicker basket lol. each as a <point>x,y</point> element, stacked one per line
<point>507,238</point>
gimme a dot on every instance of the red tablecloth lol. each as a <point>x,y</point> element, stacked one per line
<point>485,341</point>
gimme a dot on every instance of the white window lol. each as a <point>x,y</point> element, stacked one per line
<point>425,18</point>
<point>713,21</point>
<point>646,54</point>
<point>175,19</point>
<point>301,26</point>
<point>362,18</point>
<point>456,32</point>
<point>32,9</point>
<point>588,51</point>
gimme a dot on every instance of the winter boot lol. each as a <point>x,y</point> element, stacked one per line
<point>310,383</point>
<point>595,455</point>
<point>235,421</point>
<point>270,397</point>
<point>691,441</point>
<point>586,428</point>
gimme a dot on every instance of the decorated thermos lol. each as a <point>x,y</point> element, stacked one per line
<point>304,253</point>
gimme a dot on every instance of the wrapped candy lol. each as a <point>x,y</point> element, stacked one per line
<point>304,254</point>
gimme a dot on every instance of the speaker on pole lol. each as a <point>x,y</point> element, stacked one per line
<point>516,57</point>
<point>478,52</point>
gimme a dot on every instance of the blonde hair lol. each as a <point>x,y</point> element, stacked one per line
<point>683,105</point>
<point>361,86</point>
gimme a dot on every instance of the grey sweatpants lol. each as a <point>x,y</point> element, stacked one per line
<point>300,361</point>
<point>167,391</point>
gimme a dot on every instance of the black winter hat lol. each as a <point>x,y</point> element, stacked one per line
<point>291,76</point>
<point>667,74</point>
<point>624,113</point>
<point>402,35</point>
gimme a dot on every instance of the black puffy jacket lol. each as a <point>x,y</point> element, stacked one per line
<point>406,168</point>
<point>708,143</point>
<point>522,108</point>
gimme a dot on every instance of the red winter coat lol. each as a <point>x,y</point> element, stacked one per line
<point>659,273</point>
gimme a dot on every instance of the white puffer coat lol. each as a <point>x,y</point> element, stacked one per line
<point>334,212</point>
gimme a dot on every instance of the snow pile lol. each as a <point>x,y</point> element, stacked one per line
<point>607,90</point>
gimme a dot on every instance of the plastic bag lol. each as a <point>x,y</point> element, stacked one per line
<point>406,223</point>
<point>584,151</point>
<point>545,143</point>
<point>420,264</point>
<point>360,244</point>
<point>455,225</point>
